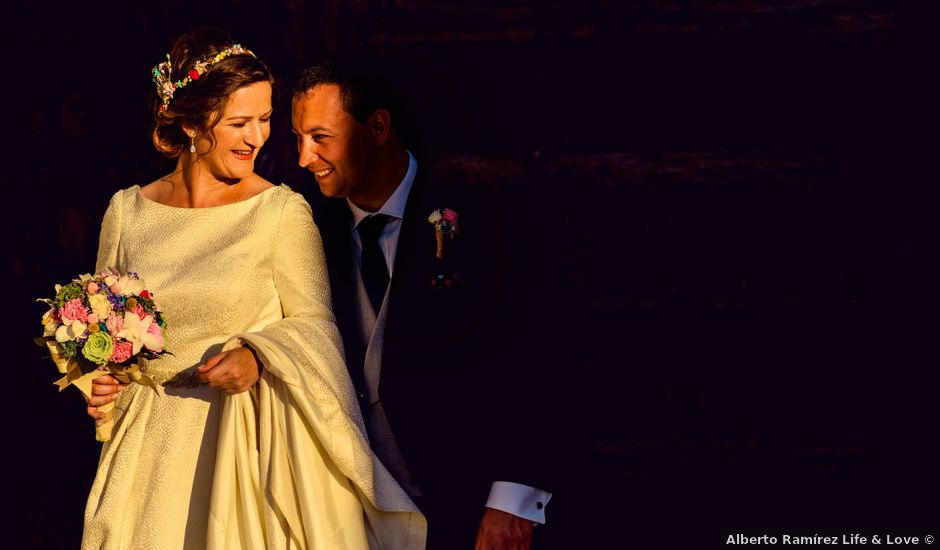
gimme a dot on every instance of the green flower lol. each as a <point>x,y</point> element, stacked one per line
<point>98,348</point>
<point>68,349</point>
<point>68,292</point>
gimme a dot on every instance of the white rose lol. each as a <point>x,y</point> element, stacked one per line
<point>100,305</point>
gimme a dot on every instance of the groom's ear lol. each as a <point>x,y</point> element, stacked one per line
<point>380,124</point>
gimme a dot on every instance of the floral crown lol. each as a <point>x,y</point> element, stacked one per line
<point>166,87</point>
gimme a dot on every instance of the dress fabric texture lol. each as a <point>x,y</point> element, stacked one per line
<point>283,465</point>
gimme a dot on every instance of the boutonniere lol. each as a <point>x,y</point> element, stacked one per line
<point>444,221</point>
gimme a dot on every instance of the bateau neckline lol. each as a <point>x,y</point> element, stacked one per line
<point>161,205</point>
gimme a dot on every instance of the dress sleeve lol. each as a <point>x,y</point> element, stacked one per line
<point>110,236</point>
<point>299,269</point>
<point>300,276</point>
<point>307,333</point>
<point>303,410</point>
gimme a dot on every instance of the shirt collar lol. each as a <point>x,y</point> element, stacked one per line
<point>395,205</point>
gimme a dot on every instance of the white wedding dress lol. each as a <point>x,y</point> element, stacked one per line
<point>284,465</point>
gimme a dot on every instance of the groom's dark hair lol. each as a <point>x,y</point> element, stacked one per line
<point>361,81</point>
<point>365,85</point>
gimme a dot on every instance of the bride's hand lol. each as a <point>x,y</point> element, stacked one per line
<point>232,371</point>
<point>104,390</point>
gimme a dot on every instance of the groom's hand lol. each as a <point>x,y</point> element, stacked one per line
<point>503,531</point>
<point>232,371</point>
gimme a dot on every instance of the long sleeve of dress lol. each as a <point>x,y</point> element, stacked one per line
<point>110,238</point>
<point>293,464</point>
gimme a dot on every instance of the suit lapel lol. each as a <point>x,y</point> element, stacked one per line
<point>407,269</point>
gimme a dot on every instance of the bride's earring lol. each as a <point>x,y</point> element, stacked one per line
<point>192,142</point>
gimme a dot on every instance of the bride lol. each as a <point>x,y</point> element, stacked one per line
<point>254,438</point>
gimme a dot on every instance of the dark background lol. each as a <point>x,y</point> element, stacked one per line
<point>731,192</point>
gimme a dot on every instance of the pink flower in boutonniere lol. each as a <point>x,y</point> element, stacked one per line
<point>444,221</point>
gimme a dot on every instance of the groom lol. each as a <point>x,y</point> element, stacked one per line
<point>425,307</point>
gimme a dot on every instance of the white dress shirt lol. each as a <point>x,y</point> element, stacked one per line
<point>514,498</point>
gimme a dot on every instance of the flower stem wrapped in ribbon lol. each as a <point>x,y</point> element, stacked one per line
<point>102,324</point>
<point>445,225</point>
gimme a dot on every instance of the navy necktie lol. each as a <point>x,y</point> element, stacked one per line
<point>373,266</point>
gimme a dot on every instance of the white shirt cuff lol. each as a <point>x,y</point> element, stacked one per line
<point>519,500</point>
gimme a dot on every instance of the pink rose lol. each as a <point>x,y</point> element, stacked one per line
<point>450,215</point>
<point>155,330</point>
<point>122,351</point>
<point>92,287</point>
<point>115,323</point>
<point>92,319</point>
<point>74,310</point>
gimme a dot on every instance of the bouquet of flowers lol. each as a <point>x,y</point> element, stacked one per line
<point>102,324</point>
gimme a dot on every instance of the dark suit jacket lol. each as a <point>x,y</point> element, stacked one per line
<point>456,381</point>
